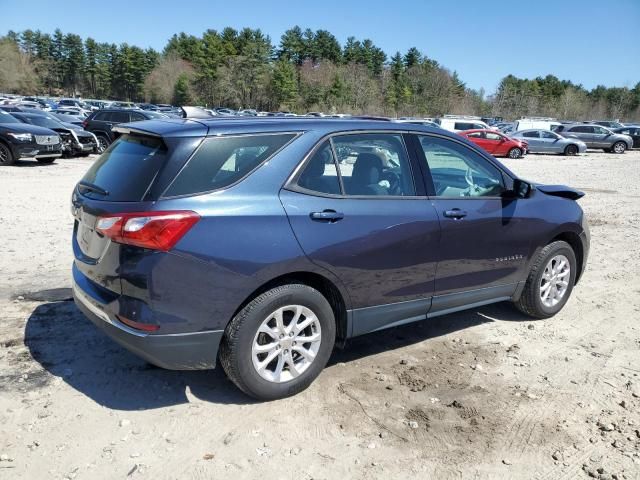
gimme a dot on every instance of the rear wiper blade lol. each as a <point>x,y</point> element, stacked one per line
<point>93,187</point>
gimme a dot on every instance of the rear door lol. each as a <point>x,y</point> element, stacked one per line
<point>582,132</point>
<point>484,242</point>
<point>358,212</point>
<point>535,142</point>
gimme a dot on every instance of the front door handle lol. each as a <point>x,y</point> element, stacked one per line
<point>455,213</point>
<point>329,216</point>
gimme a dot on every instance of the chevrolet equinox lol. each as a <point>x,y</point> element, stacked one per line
<point>265,241</point>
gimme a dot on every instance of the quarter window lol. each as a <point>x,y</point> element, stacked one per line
<point>222,161</point>
<point>374,165</point>
<point>458,171</point>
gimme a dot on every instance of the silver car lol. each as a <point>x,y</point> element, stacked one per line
<point>545,141</point>
<point>596,136</point>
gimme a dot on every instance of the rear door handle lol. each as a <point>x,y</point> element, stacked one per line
<point>329,216</point>
<point>455,213</point>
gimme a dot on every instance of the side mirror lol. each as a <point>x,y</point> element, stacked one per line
<point>521,189</point>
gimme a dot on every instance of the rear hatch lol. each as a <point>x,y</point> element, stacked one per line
<point>128,177</point>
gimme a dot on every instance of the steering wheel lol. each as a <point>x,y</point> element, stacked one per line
<point>394,181</point>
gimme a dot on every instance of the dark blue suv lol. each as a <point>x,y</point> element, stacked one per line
<point>263,242</point>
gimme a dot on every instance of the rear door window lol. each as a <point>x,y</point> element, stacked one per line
<point>119,117</point>
<point>125,171</point>
<point>320,174</point>
<point>374,164</point>
<point>222,161</point>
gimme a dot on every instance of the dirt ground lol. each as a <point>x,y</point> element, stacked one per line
<point>481,394</point>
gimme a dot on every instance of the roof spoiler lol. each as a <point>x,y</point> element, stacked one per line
<point>195,112</point>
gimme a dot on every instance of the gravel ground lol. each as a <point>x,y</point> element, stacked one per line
<point>485,393</point>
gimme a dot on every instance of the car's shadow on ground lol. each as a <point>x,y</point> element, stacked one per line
<point>68,346</point>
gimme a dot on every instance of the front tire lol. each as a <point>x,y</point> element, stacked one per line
<point>619,147</point>
<point>515,153</point>
<point>6,157</point>
<point>550,281</point>
<point>279,342</point>
<point>571,150</point>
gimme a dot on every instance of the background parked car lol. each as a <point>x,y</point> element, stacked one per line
<point>545,141</point>
<point>20,141</point>
<point>461,124</point>
<point>496,143</point>
<point>633,132</point>
<point>74,141</point>
<point>100,123</point>
<point>596,136</point>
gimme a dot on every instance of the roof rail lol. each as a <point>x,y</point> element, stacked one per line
<point>370,117</point>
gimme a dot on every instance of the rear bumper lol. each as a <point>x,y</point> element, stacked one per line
<point>186,351</point>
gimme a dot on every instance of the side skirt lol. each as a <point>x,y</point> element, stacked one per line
<point>380,317</point>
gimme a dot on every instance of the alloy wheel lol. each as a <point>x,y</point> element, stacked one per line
<point>4,154</point>
<point>619,147</point>
<point>102,144</point>
<point>286,343</point>
<point>555,281</point>
<point>515,153</point>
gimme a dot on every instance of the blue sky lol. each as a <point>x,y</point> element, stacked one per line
<point>587,41</point>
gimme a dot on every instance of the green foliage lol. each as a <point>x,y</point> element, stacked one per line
<point>181,94</point>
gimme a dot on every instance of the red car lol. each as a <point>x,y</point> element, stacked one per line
<point>496,143</point>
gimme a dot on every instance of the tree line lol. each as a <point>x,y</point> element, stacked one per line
<point>308,70</point>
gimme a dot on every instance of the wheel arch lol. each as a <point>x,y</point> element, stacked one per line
<point>321,283</point>
<point>573,239</point>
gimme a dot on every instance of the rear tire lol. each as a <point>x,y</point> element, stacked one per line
<point>248,337</point>
<point>619,147</point>
<point>545,277</point>
<point>515,152</point>
<point>571,150</point>
<point>6,157</point>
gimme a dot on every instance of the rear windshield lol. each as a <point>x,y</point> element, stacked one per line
<point>222,161</point>
<point>125,171</point>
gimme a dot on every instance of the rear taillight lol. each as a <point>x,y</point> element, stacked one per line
<point>144,327</point>
<point>154,230</point>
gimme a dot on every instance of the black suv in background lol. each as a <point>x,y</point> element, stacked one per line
<point>21,141</point>
<point>100,123</point>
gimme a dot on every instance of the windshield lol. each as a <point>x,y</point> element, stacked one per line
<point>44,122</point>
<point>7,117</point>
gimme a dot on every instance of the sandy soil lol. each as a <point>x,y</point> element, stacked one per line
<point>481,394</point>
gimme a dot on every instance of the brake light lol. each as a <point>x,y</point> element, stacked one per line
<point>154,230</point>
